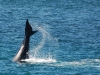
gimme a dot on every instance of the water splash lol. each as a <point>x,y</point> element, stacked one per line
<point>47,59</point>
<point>53,62</point>
<point>41,43</point>
<point>46,37</point>
<point>35,60</point>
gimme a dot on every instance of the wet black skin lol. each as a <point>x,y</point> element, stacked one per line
<point>23,52</point>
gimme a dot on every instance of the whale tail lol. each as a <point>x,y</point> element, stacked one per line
<point>28,29</point>
<point>23,51</point>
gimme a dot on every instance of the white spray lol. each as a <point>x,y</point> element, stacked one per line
<point>34,59</point>
<point>42,42</point>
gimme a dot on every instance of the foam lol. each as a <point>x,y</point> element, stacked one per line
<point>34,60</point>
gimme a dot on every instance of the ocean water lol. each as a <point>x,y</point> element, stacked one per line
<point>67,43</point>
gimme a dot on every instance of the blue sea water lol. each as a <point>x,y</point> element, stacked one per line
<point>68,42</point>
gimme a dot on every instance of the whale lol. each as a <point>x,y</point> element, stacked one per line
<point>22,54</point>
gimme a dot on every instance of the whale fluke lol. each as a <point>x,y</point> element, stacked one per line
<point>23,51</point>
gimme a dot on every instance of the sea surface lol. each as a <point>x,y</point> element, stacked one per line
<point>67,41</point>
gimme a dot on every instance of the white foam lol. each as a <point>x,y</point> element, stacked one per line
<point>34,60</point>
<point>81,63</point>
